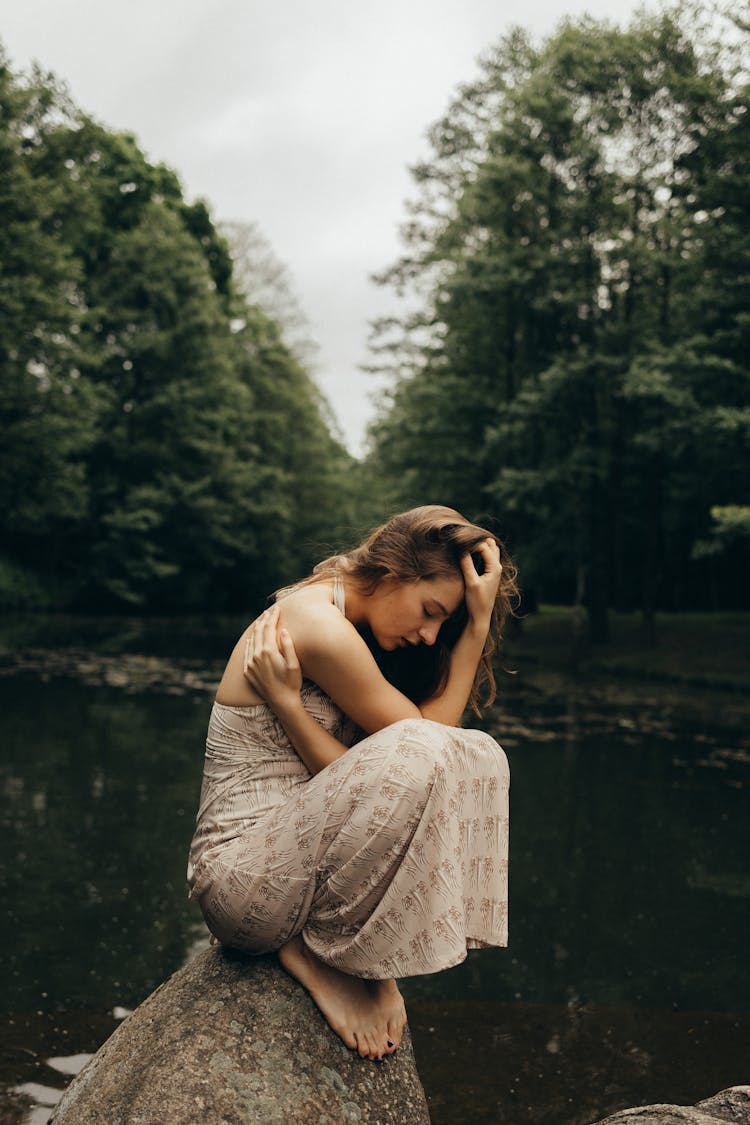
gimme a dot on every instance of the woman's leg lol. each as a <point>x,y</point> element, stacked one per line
<point>416,872</point>
<point>388,863</point>
<point>260,911</point>
<point>369,1015</point>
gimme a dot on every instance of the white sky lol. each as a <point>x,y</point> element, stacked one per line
<point>299,115</point>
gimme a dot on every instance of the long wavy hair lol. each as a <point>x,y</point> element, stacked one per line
<point>427,542</point>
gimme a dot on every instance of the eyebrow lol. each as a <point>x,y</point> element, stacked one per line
<point>440,606</point>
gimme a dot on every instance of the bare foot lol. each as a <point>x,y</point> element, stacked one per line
<point>369,1015</point>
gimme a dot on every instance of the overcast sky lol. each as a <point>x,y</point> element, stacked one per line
<point>299,115</point>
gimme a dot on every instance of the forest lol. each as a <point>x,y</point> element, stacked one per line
<point>163,447</point>
<point>572,363</point>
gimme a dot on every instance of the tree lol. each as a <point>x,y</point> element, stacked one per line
<point>549,370</point>
<point>47,412</point>
<point>265,282</point>
<point>163,446</point>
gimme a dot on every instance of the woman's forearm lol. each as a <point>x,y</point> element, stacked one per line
<point>481,571</point>
<point>449,706</point>
<point>318,748</point>
<point>315,746</point>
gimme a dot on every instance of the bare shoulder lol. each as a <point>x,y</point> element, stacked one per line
<point>334,655</point>
<point>314,622</point>
<point>317,629</point>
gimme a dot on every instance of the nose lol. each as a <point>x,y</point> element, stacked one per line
<point>428,633</point>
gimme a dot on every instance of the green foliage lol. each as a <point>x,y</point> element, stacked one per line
<point>580,363</point>
<point>162,446</point>
<point>20,589</point>
<point>731,526</point>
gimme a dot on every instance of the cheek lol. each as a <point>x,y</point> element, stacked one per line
<point>394,607</point>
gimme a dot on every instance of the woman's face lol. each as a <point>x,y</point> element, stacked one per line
<point>411,613</point>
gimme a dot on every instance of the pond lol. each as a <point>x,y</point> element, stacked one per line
<point>625,980</point>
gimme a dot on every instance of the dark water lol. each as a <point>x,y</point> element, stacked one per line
<point>625,981</point>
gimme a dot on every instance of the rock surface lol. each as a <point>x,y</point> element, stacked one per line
<point>728,1105</point>
<point>233,1040</point>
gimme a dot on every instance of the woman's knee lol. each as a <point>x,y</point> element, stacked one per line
<point>423,734</point>
<point>421,749</point>
<point>435,750</point>
<point>419,732</point>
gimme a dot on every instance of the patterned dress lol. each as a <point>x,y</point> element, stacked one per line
<point>390,862</point>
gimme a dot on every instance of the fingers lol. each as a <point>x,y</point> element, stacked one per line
<point>248,666</point>
<point>481,589</point>
<point>271,665</point>
<point>489,549</point>
<point>490,555</point>
<point>260,635</point>
<point>492,566</point>
<point>268,622</point>
<point>468,570</point>
<point>288,650</point>
<point>267,641</point>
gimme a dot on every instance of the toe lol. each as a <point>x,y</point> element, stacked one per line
<point>387,1043</point>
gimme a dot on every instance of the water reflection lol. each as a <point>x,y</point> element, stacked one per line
<point>100,796</point>
<point>630,894</point>
<point>539,1064</point>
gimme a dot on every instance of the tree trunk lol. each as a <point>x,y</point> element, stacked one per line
<point>598,570</point>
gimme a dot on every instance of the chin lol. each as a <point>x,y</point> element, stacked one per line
<point>388,644</point>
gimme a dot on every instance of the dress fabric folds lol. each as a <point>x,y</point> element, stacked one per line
<point>390,862</point>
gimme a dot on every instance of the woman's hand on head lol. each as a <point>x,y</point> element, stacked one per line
<point>271,665</point>
<point>481,589</point>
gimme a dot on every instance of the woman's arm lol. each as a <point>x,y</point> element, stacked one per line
<point>273,670</point>
<point>335,657</point>
<point>481,590</point>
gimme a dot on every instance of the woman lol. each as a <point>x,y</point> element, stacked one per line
<point>361,863</point>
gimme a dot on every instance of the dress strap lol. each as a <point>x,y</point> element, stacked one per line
<point>339,594</point>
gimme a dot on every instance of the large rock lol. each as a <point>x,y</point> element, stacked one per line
<point>728,1105</point>
<point>233,1040</point>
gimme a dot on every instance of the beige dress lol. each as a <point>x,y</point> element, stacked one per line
<point>390,862</point>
